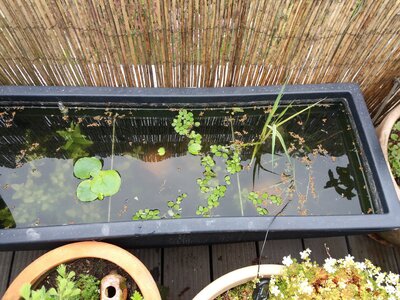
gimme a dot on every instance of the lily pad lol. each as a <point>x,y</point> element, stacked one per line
<point>84,192</point>
<point>106,183</point>
<point>86,167</point>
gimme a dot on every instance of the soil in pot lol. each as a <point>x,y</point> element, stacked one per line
<point>96,267</point>
<point>244,291</point>
<point>394,151</point>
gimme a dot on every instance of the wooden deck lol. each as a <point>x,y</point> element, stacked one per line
<point>184,271</point>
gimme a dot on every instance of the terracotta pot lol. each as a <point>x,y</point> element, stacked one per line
<point>383,132</point>
<point>133,266</point>
<point>236,278</point>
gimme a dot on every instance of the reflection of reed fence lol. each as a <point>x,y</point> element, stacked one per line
<point>31,135</point>
<point>197,43</point>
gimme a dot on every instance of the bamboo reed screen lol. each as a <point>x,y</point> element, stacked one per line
<point>201,43</point>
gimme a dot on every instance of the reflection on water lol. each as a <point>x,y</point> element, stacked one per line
<point>40,145</point>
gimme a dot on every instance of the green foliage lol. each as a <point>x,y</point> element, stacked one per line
<point>137,296</point>
<point>89,286</point>
<point>394,150</point>
<point>75,142</point>
<point>66,288</point>
<point>336,279</point>
<point>260,201</point>
<point>86,167</point>
<point>183,124</point>
<point>212,200</point>
<point>146,214</point>
<point>175,207</point>
<point>233,165</point>
<point>103,182</point>
<point>273,122</point>
<point>161,151</point>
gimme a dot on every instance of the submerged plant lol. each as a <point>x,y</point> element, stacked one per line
<point>75,141</point>
<point>97,183</point>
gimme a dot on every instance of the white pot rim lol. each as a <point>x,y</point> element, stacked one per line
<point>235,278</point>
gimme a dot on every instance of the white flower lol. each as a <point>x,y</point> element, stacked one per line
<point>305,254</point>
<point>348,259</point>
<point>390,289</point>
<point>329,265</point>
<point>305,288</point>
<point>342,285</point>
<point>287,260</point>
<point>380,278</point>
<point>370,285</point>
<point>361,266</point>
<point>275,291</point>
<point>392,278</point>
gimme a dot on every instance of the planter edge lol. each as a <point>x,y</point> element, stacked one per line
<point>235,278</point>
<point>127,261</point>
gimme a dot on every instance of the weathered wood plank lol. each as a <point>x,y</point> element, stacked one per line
<point>186,271</point>
<point>5,267</point>
<point>320,247</point>
<point>228,257</point>
<point>151,258</point>
<point>396,251</point>
<point>275,249</point>
<point>362,247</point>
<point>23,259</point>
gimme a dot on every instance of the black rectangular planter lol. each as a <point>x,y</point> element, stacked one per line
<point>223,229</point>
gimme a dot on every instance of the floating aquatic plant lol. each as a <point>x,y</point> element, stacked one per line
<point>97,183</point>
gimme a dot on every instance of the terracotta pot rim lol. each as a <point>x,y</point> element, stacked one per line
<point>236,278</point>
<point>383,131</point>
<point>125,260</point>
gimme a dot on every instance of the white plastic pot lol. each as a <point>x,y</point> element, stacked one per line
<point>236,278</point>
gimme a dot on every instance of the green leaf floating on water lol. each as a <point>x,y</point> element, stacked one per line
<point>194,148</point>
<point>161,151</point>
<point>86,167</point>
<point>106,183</point>
<point>84,191</point>
<point>99,183</point>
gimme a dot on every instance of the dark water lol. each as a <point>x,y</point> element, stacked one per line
<point>37,186</point>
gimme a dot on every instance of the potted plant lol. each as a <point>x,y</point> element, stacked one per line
<point>389,138</point>
<point>335,279</point>
<point>35,272</point>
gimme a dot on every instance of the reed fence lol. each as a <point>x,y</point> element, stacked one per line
<point>202,43</point>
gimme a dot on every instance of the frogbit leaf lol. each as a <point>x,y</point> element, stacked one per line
<point>86,167</point>
<point>161,151</point>
<point>84,193</point>
<point>194,148</point>
<point>106,183</point>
